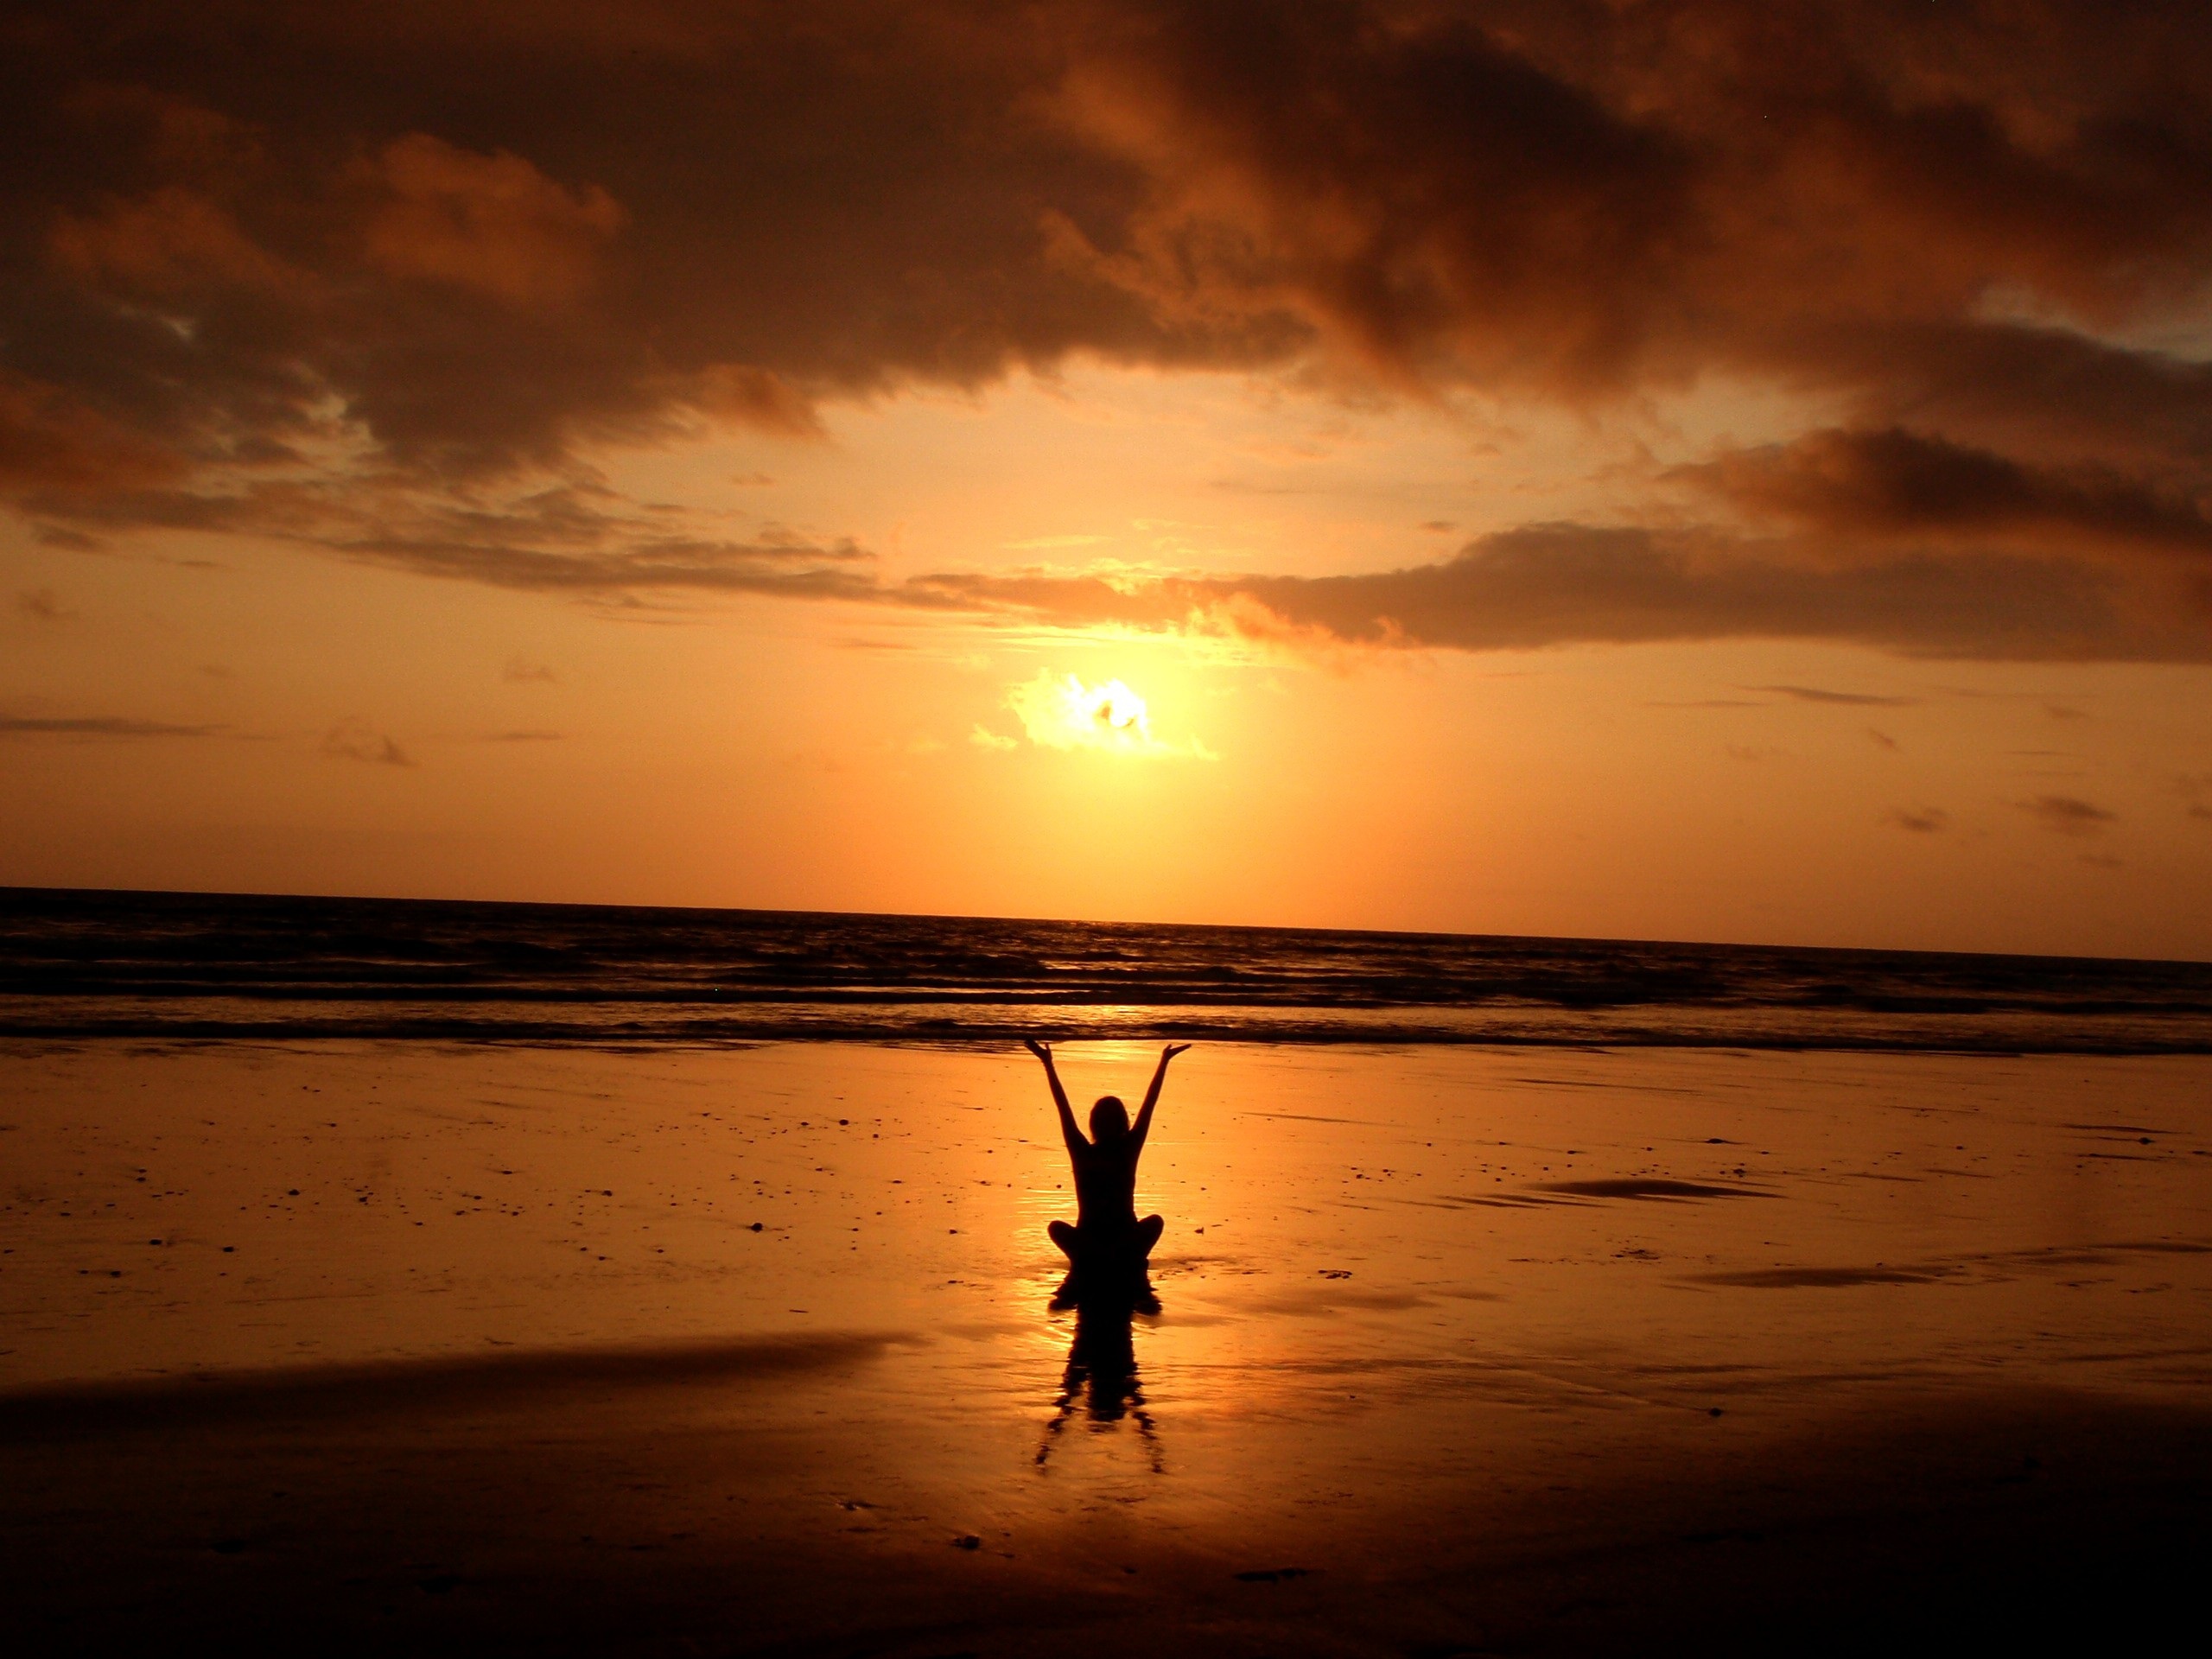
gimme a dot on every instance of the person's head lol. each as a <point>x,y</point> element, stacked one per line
<point>1109,1120</point>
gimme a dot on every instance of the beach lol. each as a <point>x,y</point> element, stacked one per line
<point>670,1349</point>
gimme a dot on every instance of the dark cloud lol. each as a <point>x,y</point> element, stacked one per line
<point>354,739</point>
<point>484,234</point>
<point>1557,584</point>
<point>42,605</point>
<point>1847,699</point>
<point>2053,394</point>
<point>575,537</point>
<point>523,737</point>
<point>2067,815</point>
<point>377,287</point>
<point>96,726</point>
<point>1893,484</point>
<point>1921,821</point>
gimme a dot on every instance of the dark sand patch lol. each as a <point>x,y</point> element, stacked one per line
<point>1642,1088</point>
<point>1484,1201</point>
<point>1635,1189</point>
<point>159,1405</point>
<point>1638,1187</point>
<point>1985,1264</point>
<point>1817,1278</point>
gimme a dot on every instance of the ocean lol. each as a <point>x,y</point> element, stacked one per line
<point>84,963</point>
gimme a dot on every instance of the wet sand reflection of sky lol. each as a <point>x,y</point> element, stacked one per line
<point>1357,1241</point>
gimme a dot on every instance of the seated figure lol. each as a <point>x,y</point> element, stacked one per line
<point>1107,1237</point>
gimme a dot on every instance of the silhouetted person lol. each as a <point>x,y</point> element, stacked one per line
<point>1107,1237</point>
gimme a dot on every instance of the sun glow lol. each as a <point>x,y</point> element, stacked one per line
<point>1062,712</point>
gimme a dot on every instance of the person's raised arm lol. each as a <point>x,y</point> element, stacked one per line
<point>1143,1126</point>
<point>1068,1133</point>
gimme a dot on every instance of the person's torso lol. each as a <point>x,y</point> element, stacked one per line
<point>1105,1186</point>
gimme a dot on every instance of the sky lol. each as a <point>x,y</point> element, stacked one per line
<point>1701,470</point>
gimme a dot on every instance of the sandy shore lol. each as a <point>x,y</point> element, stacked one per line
<point>478,1348</point>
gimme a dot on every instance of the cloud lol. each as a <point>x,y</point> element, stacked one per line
<point>523,737</point>
<point>1567,583</point>
<point>1894,485</point>
<point>1538,585</point>
<point>492,223</point>
<point>1849,699</point>
<point>354,739</point>
<point>521,670</point>
<point>983,737</point>
<point>42,605</point>
<point>575,537</point>
<point>327,289</point>
<point>1881,738</point>
<point>97,725</point>
<point>852,194</point>
<point>2066,815</point>
<point>1922,821</point>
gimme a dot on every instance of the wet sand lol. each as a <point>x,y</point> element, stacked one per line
<point>1566,1351</point>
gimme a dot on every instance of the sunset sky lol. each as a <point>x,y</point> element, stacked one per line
<point>1709,471</point>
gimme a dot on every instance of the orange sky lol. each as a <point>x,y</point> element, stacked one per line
<point>1654,472</point>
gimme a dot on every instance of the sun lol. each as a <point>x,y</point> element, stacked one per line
<point>1063,713</point>
<point>1112,710</point>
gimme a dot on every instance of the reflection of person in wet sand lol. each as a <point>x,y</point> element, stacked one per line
<point>1107,1235</point>
<point>1101,1379</point>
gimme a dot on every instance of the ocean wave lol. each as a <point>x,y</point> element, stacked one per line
<point>77,964</point>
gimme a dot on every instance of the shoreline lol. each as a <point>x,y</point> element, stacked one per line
<point>92,965</point>
<point>1978,1036</point>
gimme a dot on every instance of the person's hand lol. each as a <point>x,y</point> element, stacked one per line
<point>1170,1052</point>
<point>1042,1050</point>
